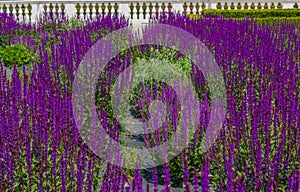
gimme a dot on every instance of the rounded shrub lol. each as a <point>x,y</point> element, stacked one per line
<point>18,55</point>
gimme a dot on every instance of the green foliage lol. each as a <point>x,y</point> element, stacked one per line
<point>96,35</point>
<point>246,6</point>
<point>219,6</point>
<point>16,54</point>
<point>259,13</point>
<point>176,165</point>
<point>295,6</point>
<point>29,33</point>
<point>274,20</point>
<point>252,6</point>
<point>194,16</point>
<point>73,24</point>
<point>165,55</point>
<point>59,26</point>
<point>267,20</point>
<point>30,182</point>
<point>51,26</point>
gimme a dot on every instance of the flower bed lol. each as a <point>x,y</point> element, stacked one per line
<point>257,148</point>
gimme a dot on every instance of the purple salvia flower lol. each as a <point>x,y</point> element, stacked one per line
<point>195,180</point>
<point>205,175</point>
<point>240,183</point>
<point>155,179</point>
<point>167,179</point>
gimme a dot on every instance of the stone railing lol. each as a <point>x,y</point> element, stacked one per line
<point>137,11</point>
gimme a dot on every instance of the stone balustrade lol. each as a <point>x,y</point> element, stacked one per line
<point>136,11</point>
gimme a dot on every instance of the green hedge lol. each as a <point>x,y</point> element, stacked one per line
<point>266,20</point>
<point>256,13</point>
<point>270,20</point>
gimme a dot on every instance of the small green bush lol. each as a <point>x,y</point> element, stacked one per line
<point>19,54</point>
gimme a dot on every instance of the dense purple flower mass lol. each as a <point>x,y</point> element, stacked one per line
<point>8,24</point>
<point>258,148</point>
<point>29,42</point>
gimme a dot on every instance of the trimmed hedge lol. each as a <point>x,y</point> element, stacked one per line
<point>270,20</point>
<point>256,13</point>
<point>265,20</point>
